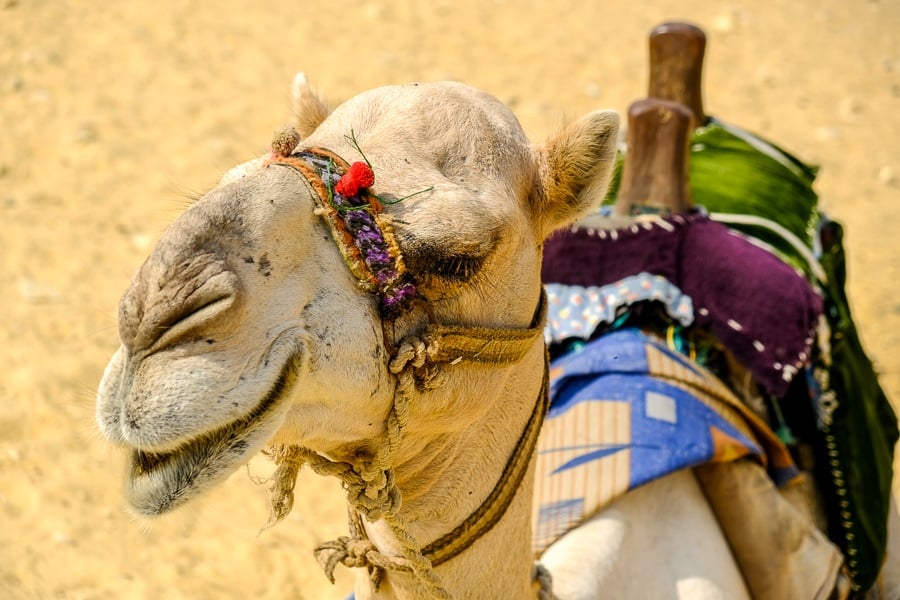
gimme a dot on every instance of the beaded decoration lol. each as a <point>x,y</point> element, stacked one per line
<point>354,214</point>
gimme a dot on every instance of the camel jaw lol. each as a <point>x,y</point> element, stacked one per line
<point>158,482</point>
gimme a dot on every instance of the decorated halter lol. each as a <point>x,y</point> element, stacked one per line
<point>362,231</point>
<point>364,235</point>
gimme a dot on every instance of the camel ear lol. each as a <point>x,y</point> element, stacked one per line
<point>575,169</point>
<point>309,109</point>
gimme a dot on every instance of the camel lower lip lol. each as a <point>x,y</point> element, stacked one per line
<point>159,482</point>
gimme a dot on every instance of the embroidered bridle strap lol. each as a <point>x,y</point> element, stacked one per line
<point>450,344</point>
<point>363,233</point>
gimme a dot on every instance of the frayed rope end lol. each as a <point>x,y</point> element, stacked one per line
<point>289,460</point>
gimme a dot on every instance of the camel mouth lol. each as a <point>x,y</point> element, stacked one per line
<point>158,482</point>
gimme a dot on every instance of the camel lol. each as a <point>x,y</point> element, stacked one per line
<point>420,381</point>
<point>412,368</point>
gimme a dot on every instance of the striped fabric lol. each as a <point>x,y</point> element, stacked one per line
<point>626,410</point>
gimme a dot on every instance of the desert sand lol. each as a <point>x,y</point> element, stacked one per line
<point>115,114</point>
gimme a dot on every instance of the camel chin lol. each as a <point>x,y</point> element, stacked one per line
<point>158,480</point>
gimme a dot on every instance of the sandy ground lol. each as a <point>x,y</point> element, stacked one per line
<point>113,113</point>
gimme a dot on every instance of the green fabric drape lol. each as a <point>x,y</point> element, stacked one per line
<point>858,439</point>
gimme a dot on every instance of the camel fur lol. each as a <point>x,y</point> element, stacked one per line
<point>244,327</point>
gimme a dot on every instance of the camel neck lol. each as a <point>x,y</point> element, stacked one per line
<point>467,495</point>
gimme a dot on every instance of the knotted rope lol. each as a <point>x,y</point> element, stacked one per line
<point>370,486</point>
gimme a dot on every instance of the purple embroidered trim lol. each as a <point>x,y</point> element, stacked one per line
<point>378,252</point>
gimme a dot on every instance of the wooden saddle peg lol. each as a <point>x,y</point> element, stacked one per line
<point>655,172</point>
<point>676,66</point>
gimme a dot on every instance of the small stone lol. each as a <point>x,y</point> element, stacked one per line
<point>827,134</point>
<point>724,23</point>
<point>887,176</point>
<point>374,12</point>
<point>40,97</point>
<point>766,76</point>
<point>37,292</point>
<point>62,538</point>
<point>141,241</point>
<point>86,134</point>
<point>13,84</point>
<point>850,108</point>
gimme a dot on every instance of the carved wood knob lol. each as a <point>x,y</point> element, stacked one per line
<point>676,65</point>
<point>655,174</point>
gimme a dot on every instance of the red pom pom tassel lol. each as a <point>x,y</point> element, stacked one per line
<point>358,177</point>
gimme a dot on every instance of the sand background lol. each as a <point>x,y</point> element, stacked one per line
<point>113,113</point>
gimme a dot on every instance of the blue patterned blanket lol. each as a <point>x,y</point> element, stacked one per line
<point>626,410</point>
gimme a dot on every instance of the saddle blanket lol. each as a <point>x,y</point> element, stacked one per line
<point>626,410</point>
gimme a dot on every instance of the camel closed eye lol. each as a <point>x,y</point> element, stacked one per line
<point>432,263</point>
<point>458,269</point>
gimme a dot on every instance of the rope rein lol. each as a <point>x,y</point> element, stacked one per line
<point>418,364</point>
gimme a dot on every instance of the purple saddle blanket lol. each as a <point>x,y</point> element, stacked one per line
<point>761,309</point>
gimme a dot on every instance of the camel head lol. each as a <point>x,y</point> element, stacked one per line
<point>245,326</point>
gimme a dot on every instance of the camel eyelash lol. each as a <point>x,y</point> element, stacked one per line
<point>429,261</point>
<point>456,268</point>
